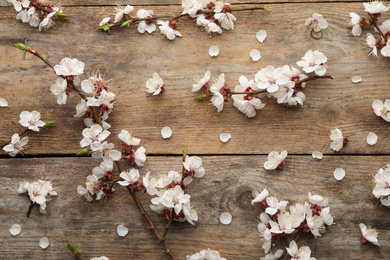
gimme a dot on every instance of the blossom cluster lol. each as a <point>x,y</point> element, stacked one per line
<point>32,121</point>
<point>211,16</point>
<point>279,221</point>
<point>169,190</point>
<point>381,190</point>
<point>374,11</point>
<point>38,191</point>
<point>36,14</point>
<point>285,83</point>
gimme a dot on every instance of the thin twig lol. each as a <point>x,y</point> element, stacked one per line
<point>29,209</point>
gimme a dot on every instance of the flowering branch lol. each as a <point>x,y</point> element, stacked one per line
<point>212,16</point>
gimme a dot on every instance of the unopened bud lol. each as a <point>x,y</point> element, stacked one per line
<point>61,15</point>
<point>84,151</point>
<point>126,23</point>
<point>49,123</point>
<point>72,248</point>
<point>21,46</point>
<point>104,27</point>
<point>200,97</point>
<point>185,150</point>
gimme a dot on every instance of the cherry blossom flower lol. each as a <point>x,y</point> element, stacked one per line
<point>275,160</point>
<point>155,85</point>
<point>357,23</point>
<point>203,83</point>
<point>106,151</point>
<point>382,109</point>
<point>318,200</point>
<point>150,184</point>
<point>39,192</point>
<point>382,186</point>
<point>270,256</point>
<point>313,61</point>
<point>218,100</point>
<point>47,22</point>
<point>122,11</point>
<point>259,196</point>
<point>248,107</point>
<point>208,25</point>
<point>69,67</point>
<point>226,20</point>
<point>369,234</point>
<point>284,224</point>
<point>129,177</point>
<point>92,188</point>
<point>93,136</point>
<point>16,146</point>
<point>168,28</point>
<point>172,177</point>
<point>275,206</point>
<point>193,168</point>
<point>375,7</point>
<point>385,51</point>
<point>31,120</point>
<point>372,43</point>
<point>145,25</point>
<point>128,138</point>
<point>59,90</point>
<point>303,252</point>
<point>206,254</point>
<point>29,16</point>
<point>337,140</point>
<point>316,22</point>
<point>271,78</point>
<point>139,156</point>
<point>20,4</point>
<point>220,92</point>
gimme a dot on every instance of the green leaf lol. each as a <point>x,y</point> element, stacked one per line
<point>72,248</point>
<point>126,23</point>
<point>84,151</point>
<point>200,97</point>
<point>104,27</point>
<point>185,150</point>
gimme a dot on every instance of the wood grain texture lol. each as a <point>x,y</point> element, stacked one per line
<point>225,188</point>
<point>162,2</point>
<point>130,59</point>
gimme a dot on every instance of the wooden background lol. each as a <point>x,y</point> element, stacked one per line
<point>233,169</point>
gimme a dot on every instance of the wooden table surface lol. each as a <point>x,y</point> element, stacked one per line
<point>233,169</point>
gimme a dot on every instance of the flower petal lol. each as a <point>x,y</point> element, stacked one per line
<point>225,218</point>
<point>339,174</point>
<point>44,242</point>
<point>261,35</point>
<point>317,155</point>
<point>224,137</point>
<point>122,230</point>
<point>3,102</point>
<point>213,51</point>
<point>166,132</point>
<point>372,138</point>
<point>255,55</point>
<point>356,79</point>
<point>15,229</point>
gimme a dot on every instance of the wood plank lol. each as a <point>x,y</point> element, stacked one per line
<point>131,58</point>
<point>163,2</point>
<point>225,187</point>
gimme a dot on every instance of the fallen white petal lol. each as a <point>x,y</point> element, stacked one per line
<point>166,132</point>
<point>44,242</point>
<point>261,35</point>
<point>122,230</point>
<point>317,155</point>
<point>339,174</point>
<point>3,102</point>
<point>356,79</point>
<point>255,55</point>
<point>372,138</point>
<point>225,218</point>
<point>224,137</point>
<point>214,51</point>
<point>15,229</point>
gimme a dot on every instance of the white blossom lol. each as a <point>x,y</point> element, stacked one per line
<point>259,196</point>
<point>375,7</point>
<point>120,12</point>
<point>59,90</point>
<point>145,25</point>
<point>39,192</point>
<point>93,136</point>
<point>47,22</point>
<point>313,61</point>
<point>198,86</point>
<point>337,139</point>
<point>168,29</point>
<point>20,4</point>
<point>16,146</point>
<point>31,120</point>
<point>369,234</point>
<point>382,109</point>
<point>69,67</point>
<point>371,42</point>
<point>206,254</point>
<point>316,22</point>
<point>355,22</point>
<point>303,253</point>
<point>155,85</point>
<point>129,177</point>
<point>275,160</point>
<point>128,138</point>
